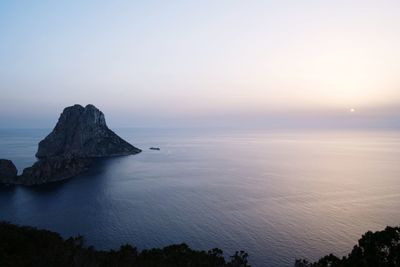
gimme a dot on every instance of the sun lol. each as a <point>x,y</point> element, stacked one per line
<point>352,110</point>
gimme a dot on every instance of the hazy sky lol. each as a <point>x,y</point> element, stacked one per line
<point>201,62</point>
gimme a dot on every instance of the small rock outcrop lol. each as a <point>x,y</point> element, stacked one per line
<point>80,136</point>
<point>8,171</point>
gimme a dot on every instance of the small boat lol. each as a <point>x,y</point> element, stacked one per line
<point>154,148</point>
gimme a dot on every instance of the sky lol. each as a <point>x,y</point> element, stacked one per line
<point>198,63</point>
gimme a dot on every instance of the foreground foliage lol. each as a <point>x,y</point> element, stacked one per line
<point>378,249</point>
<point>28,246</point>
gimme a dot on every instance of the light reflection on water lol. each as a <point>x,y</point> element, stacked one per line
<point>277,195</point>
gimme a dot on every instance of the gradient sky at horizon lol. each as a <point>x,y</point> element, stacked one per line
<point>148,63</point>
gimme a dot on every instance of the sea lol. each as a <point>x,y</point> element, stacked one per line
<point>279,195</point>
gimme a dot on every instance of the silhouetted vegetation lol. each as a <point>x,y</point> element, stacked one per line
<point>28,246</point>
<point>379,249</point>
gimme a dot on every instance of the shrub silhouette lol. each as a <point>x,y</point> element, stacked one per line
<point>378,249</point>
<point>28,246</point>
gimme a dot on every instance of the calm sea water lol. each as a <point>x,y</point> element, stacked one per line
<point>277,195</point>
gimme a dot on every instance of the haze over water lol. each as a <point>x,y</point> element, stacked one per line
<point>276,194</point>
<point>177,63</point>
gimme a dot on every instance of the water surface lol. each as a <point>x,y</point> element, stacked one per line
<point>279,195</point>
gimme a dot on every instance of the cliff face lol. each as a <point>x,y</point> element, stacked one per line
<point>83,132</point>
<point>80,136</point>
